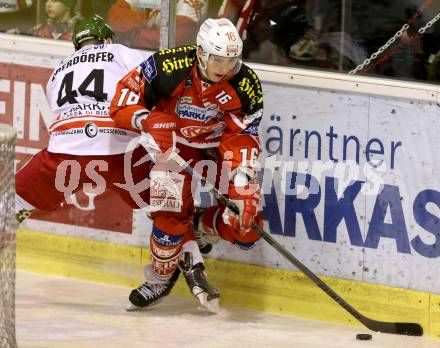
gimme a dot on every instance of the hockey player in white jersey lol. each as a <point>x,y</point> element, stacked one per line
<point>82,135</point>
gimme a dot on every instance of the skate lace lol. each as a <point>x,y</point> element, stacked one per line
<point>150,291</point>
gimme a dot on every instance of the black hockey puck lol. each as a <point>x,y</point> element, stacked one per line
<point>364,337</point>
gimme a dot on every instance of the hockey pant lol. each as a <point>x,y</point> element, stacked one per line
<point>49,178</point>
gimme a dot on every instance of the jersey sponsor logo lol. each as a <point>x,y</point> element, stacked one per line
<point>133,81</point>
<point>252,129</point>
<point>91,130</point>
<point>148,68</point>
<point>248,119</point>
<point>252,88</point>
<point>177,50</point>
<point>195,113</point>
<point>165,239</point>
<point>165,191</point>
<point>164,125</point>
<point>67,132</point>
<point>86,109</point>
<point>113,131</point>
<point>195,131</point>
<point>171,65</point>
<point>164,252</point>
<point>165,267</point>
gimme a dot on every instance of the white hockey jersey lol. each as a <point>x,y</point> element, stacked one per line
<point>80,91</point>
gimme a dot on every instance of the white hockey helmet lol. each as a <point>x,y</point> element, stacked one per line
<point>218,37</point>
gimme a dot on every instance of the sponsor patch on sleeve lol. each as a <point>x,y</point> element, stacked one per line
<point>248,119</point>
<point>252,129</point>
<point>148,68</point>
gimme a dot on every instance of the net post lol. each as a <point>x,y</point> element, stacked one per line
<point>7,237</point>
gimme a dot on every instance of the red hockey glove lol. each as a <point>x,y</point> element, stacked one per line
<point>160,134</point>
<point>246,196</point>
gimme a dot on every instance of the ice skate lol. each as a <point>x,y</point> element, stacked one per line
<point>205,236</point>
<point>195,277</point>
<point>151,292</point>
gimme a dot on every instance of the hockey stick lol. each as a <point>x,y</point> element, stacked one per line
<point>410,329</point>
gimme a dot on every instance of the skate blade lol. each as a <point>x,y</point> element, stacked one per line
<point>133,308</point>
<point>211,306</point>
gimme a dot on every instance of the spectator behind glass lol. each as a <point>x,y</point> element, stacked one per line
<point>323,44</point>
<point>59,22</point>
<point>387,17</point>
<point>335,48</point>
<point>139,27</point>
<point>270,28</point>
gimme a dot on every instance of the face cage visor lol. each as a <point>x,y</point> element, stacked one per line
<point>222,63</point>
<point>232,64</point>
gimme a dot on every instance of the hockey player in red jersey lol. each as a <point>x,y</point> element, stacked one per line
<point>204,103</point>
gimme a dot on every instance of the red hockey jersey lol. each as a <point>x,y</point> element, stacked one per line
<point>225,115</point>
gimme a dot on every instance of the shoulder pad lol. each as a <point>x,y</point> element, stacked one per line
<point>248,88</point>
<point>167,68</point>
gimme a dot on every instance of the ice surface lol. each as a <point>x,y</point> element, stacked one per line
<point>66,313</point>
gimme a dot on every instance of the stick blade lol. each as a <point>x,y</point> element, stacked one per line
<point>410,329</point>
